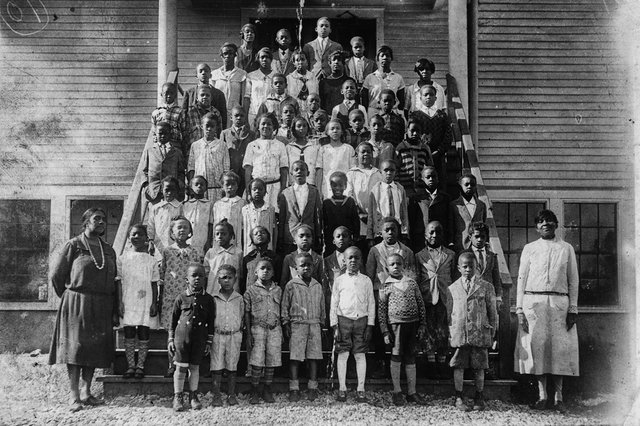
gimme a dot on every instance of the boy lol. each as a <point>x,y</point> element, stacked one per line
<point>425,69</point>
<point>335,264</point>
<point>402,319</point>
<point>361,180</point>
<point>435,271</point>
<point>190,340</point>
<point>318,133</point>
<point>163,160</point>
<point>260,238</point>
<point>278,98</point>
<point>382,150</point>
<point>262,303</point>
<point>284,133</point>
<point>387,199</point>
<point>299,204</point>
<point>283,55</point>
<point>190,97</point>
<point>171,113</point>
<point>304,240</point>
<point>349,104</point>
<point>412,156</point>
<point>318,50</point>
<point>352,316</point>
<point>194,116</point>
<point>258,85</point>
<point>394,123</point>
<point>429,204</point>
<point>339,209</point>
<point>358,66</point>
<point>302,84</point>
<point>237,138</point>
<point>463,211</point>
<point>357,133</point>
<point>230,206</point>
<point>486,260</point>
<point>331,86</point>
<point>473,321</point>
<point>209,157</point>
<point>230,80</point>
<point>227,335</point>
<point>303,314</point>
<point>312,105</point>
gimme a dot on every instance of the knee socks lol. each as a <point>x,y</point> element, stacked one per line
<point>458,379</point>
<point>361,369</point>
<point>479,380</point>
<point>256,372</point>
<point>542,387</point>
<point>143,349</point>
<point>395,376</point>
<point>410,370</point>
<point>342,370</point>
<point>178,379</point>
<point>557,383</point>
<point>130,352</point>
<point>268,375</point>
<point>194,377</point>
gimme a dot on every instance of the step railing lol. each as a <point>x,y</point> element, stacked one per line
<point>468,159</point>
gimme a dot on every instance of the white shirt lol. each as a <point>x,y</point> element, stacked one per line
<point>360,181</point>
<point>470,205</point>
<point>352,297</point>
<point>301,193</point>
<point>384,200</point>
<point>430,111</point>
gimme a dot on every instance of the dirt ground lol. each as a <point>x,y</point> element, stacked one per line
<point>32,392</point>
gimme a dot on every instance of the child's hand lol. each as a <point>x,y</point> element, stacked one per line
<point>153,310</point>
<point>171,347</point>
<point>422,332</point>
<point>336,333</point>
<point>572,318</point>
<point>388,338</point>
<point>208,347</point>
<point>522,320</point>
<point>368,332</point>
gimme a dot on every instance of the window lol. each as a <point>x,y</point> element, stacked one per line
<point>515,229</point>
<point>113,209</point>
<point>591,229</point>
<point>24,250</point>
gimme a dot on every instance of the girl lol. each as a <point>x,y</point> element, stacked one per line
<point>425,69</point>
<point>246,57</point>
<point>335,156</point>
<point>160,215</point>
<point>257,212</point>
<point>382,150</point>
<point>230,206</point>
<point>175,260</point>
<point>287,114</point>
<point>223,253</point>
<point>199,212</point>
<point>301,83</point>
<point>139,273</point>
<point>302,149</point>
<point>382,78</point>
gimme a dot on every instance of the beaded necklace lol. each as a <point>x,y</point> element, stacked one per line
<point>86,242</point>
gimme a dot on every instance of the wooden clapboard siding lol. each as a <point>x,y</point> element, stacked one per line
<point>553,102</point>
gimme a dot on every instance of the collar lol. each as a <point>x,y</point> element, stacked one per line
<point>189,293</point>
<point>471,201</point>
<point>196,200</point>
<point>378,72</point>
<point>171,105</point>
<point>349,102</point>
<point>234,295</point>
<point>320,39</point>
<point>436,249</point>
<point>298,186</point>
<point>173,203</point>
<point>264,207</point>
<point>300,281</point>
<point>260,284</point>
<point>354,274</point>
<point>167,145</point>
<point>230,249</point>
<point>476,249</point>
<point>309,252</point>
<point>393,185</point>
<point>390,279</point>
<point>395,246</point>
<point>231,200</point>
<point>433,194</point>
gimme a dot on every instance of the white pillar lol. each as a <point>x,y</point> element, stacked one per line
<point>458,48</point>
<point>167,40</point>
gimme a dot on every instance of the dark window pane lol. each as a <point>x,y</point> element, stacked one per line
<point>588,266</point>
<point>607,214</point>
<point>607,267</point>
<point>503,235</point>
<point>571,214</point>
<point>113,211</point>
<point>532,234</point>
<point>589,240</point>
<point>518,238</point>
<point>534,208</point>
<point>589,214</point>
<point>607,240</point>
<point>572,236</point>
<point>518,214</point>
<point>500,214</point>
<point>7,234</point>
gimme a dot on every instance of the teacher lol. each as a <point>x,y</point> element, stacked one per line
<point>547,309</point>
<point>83,275</point>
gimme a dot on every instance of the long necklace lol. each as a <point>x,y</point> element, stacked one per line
<point>91,253</point>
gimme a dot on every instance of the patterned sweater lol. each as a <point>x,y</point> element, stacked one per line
<point>400,306</point>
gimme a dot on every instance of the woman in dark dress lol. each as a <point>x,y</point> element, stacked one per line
<point>84,275</point>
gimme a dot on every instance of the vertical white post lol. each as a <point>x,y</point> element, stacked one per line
<point>459,49</point>
<point>167,40</point>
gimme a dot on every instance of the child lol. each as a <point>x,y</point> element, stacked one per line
<point>257,212</point>
<point>486,260</point>
<point>380,80</point>
<point>318,51</point>
<point>412,155</point>
<point>339,209</point>
<point>429,204</point>
<point>170,112</point>
<point>301,149</point>
<point>247,58</point>
<point>237,138</point>
<point>358,66</point>
<point>285,132</point>
<point>402,319</point>
<point>304,244</point>
<point>209,157</point>
<point>260,239</point>
<point>302,84</point>
<point>331,87</point>
<point>190,340</point>
<point>262,303</point>
<point>361,180</point>
<point>230,206</point>
<point>138,277</point>
<point>163,160</point>
<point>435,272</point>
<point>303,314</point>
<point>393,122</point>
<point>343,109</point>
<point>196,114</point>
<point>266,159</point>
<point>198,210</point>
<point>463,211</point>
<point>425,69</point>
<point>223,252</point>
<point>382,150</point>
<point>357,133</point>
<point>318,134</point>
<point>227,335</point>
<point>335,156</point>
<point>283,55</point>
<point>299,204</point>
<point>278,96</point>
<point>230,80</point>
<point>312,105</point>
<point>352,316</point>
<point>190,97</point>
<point>473,321</point>
<point>258,85</point>
<point>160,215</point>
<point>387,199</point>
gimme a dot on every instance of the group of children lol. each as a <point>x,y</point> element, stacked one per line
<point>294,222</point>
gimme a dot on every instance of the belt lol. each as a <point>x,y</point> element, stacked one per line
<point>267,326</point>
<point>226,333</point>
<point>547,293</point>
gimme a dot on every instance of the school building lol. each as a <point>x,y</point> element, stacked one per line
<point>544,116</point>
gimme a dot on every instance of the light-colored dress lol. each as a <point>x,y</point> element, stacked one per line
<point>252,217</point>
<point>218,256</point>
<point>413,101</point>
<point>137,270</point>
<point>375,84</point>
<point>333,159</point>
<point>173,277</point>
<point>360,182</point>
<point>295,83</point>
<point>159,226</point>
<point>547,291</point>
<point>232,84</point>
<point>257,89</point>
<point>200,214</point>
<point>210,159</point>
<point>230,209</point>
<point>267,157</point>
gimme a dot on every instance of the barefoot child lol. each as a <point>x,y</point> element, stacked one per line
<point>138,278</point>
<point>473,321</point>
<point>163,160</point>
<point>160,215</point>
<point>339,209</point>
<point>262,303</point>
<point>190,340</point>
<point>335,156</point>
<point>302,149</point>
<point>223,252</point>
<point>304,243</point>
<point>352,315</point>
<point>227,335</point>
<point>402,320</point>
<point>465,210</point>
<point>230,206</point>
<point>198,210</point>
<point>257,213</point>
<point>303,314</point>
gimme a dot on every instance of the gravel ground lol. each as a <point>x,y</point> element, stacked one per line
<point>32,392</point>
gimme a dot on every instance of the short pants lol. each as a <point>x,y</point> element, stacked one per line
<point>405,341</point>
<point>352,335</point>
<point>470,357</point>
<point>305,342</point>
<point>267,347</point>
<point>226,351</point>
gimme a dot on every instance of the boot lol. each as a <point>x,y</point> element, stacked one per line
<point>478,402</point>
<point>231,399</point>
<point>177,402</point>
<point>215,390</point>
<point>267,394</point>
<point>255,395</point>
<point>194,401</point>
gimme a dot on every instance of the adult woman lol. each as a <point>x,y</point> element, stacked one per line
<point>547,310</point>
<point>83,275</point>
<point>246,56</point>
<point>380,79</point>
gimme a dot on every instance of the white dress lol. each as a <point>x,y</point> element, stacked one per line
<point>137,270</point>
<point>334,159</point>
